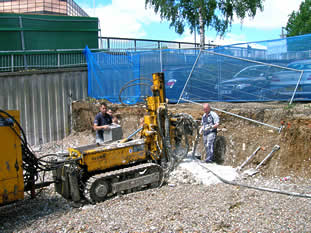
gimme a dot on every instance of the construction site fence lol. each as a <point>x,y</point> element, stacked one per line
<point>274,70</point>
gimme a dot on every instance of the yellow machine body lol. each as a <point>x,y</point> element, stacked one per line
<point>95,172</point>
<point>102,170</point>
<point>115,154</point>
<point>114,167</point>
<point>154,104</point>
<point>111,155</point>
<point>11,171</point>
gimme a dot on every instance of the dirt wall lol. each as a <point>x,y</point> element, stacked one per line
<point>237,138</point>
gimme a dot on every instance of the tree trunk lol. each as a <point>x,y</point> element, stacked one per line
<point>202,32</point>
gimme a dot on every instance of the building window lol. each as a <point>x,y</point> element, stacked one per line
<point>54,7</point>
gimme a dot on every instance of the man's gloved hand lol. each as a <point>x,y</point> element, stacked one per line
<point>205,128</point>
<point>201,130</point>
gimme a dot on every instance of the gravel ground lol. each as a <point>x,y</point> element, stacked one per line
<point>182,205</point>
<point>185,204</point>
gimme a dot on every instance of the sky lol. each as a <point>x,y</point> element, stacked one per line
<point>130,19</point>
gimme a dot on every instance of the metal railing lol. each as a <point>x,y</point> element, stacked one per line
<point>11,61</point>
<point>145,44</point>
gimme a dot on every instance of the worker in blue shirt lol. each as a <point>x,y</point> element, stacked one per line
<point>101,123</point>
<point>209,124</point>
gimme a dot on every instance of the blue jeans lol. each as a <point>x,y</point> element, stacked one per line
<point>99,139</point>
<point>208,141</point>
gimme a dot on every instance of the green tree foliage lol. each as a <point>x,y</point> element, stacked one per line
<point>204,14</point>
<point>299,23</point>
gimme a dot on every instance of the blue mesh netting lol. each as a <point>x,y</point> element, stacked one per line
<point>107,72</point>
<point>271,70</point>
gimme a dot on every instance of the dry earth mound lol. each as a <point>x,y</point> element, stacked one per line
<point>237,138</point>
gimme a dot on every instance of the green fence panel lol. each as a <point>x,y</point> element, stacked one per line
<point>41,32</point>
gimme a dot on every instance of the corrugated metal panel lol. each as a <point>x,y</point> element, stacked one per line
<point>44,100</point>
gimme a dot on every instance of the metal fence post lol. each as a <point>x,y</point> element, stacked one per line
<point>12,62</point>
<point>58,60</point>
<point>189,76</point>
<point>22,40</point>
<point>296,87</point>
<point>161,63</point>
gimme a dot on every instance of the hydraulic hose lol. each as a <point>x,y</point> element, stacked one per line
<point>130,84</point>
<point>185,123</point>
<point>30,163</point>
<point>166,143</point>
<point>254,187</point>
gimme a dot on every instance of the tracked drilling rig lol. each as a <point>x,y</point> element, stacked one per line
<point>96,172</point>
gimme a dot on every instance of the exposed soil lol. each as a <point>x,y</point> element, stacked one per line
<point>185,205</point>
<point>237,138</point>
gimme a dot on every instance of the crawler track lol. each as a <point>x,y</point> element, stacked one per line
<point>100,187</point>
